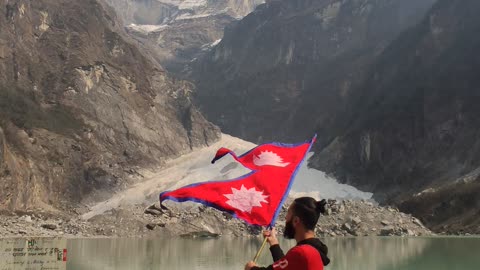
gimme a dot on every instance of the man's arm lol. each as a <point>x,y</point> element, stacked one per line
<point>294,260</point>
<point>277,252</point>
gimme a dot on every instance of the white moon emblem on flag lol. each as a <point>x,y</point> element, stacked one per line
<point>245,199</point>
<point>269,158</point>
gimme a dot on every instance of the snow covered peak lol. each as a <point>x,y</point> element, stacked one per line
<point>155,12</point>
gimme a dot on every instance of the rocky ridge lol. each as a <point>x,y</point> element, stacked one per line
<point>343,218</point>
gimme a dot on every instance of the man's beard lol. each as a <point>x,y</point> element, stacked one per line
<point>289,231</point>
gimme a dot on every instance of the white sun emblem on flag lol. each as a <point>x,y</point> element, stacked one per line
<point>269,158</point>
<point>245,199</point>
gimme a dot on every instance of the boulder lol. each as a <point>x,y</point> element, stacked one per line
<point>387,231</point>
<point>385,222</point>
<point>49,226</point>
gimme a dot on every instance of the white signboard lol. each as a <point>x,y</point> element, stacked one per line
<point>33,254</point>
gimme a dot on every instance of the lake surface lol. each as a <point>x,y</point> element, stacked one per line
<point>232,253</point>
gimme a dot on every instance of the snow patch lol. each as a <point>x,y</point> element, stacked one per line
<point>44,19</point>
<point>317,184</point>
<point>146,28</point>
<point>190,4</point>
<point>215,43</point>
<point>189,16</point>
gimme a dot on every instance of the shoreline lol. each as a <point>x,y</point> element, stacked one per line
<point>176,237</point>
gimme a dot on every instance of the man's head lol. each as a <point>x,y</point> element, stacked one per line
<point>302,216</point>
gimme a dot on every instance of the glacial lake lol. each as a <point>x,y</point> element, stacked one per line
<point>376,253</point>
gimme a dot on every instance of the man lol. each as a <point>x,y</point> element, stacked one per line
<point>309,253</point>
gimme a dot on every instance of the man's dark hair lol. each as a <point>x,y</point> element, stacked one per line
<point>308,210</point>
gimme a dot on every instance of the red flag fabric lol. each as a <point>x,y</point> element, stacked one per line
<point>256,197</point>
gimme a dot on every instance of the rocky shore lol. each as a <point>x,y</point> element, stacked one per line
<point>343,219</point>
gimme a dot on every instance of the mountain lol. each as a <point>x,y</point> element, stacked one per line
<point>81,107</point>
<point>289,68</point>
<point>390,87</point>
<point>413,130</point>
<point>178,31</point>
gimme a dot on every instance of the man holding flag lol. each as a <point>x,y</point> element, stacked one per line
<point>256,197</point>
<point>309,253</point>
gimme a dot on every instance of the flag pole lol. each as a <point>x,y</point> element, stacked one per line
<point>270,227</point>
<point>260,250</point>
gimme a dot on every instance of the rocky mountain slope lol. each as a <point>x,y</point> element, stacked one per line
<point>389,86</point>
<point>81,107</point>
<point>414,129</point>
<point>287,69</point>
<point>178,31</point>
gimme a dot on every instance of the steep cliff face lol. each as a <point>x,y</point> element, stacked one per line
<point>178,31</point>
<point>80,106</point>
<point>289,68</point>
<point>414,125</point>
<point>176,44</point>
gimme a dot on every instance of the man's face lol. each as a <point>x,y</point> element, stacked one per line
<point>289,231</point>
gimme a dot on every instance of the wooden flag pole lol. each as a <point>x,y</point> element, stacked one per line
<point>260,250</point>
<point>262,246</point>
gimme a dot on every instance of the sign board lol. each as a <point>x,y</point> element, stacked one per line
<point>33,254</point>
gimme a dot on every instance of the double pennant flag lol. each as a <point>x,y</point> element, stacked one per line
<point>256,197</point>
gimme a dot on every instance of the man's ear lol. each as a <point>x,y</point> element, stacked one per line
<point>296,220</point>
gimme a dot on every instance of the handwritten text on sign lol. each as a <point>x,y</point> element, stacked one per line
<point>33,254</point>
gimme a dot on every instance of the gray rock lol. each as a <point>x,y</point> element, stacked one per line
<point>418,222</point>
<point>387,231</point>
<point>151,226</point>
<point>356,220</point>
<point>385,222</point>
<point>49,226</point>
<point>346,226</point>
<point>153,212</point>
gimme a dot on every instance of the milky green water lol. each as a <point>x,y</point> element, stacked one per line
<point>232,253</point>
